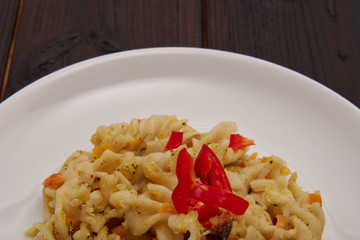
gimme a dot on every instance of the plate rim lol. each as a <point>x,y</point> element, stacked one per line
<point>61,73</point>
<point>78,66</point>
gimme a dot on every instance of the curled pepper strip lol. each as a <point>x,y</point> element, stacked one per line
<point>220,198</point>
<point>205,212</point>
<point>175,141</point>
<point>190,194</point>
<point>181,198</point>
<point>186,176</point>
<point>238,142</point>
<point>209,169</point>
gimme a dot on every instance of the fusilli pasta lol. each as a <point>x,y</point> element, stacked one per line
<point>123,189</point>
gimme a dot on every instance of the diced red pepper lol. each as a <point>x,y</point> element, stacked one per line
<point>209,169</point>
<point>175,141</point>
<point>220,198</point>
<point>238,142</point>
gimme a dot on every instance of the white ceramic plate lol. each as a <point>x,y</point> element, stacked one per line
<point>315,130</point>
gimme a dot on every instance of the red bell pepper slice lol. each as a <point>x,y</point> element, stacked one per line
<point>186,181</point>
<point>181,198</point>
<point>190,194</point>
<point>238,142</point>
<point>220,198</point>
<point>209,169</point>
<point>175,141</point>
<point>205,212</point>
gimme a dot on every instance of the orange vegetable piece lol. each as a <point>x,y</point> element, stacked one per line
<point>99,150</point>
<point>315,197</point>
<point>267,159</point>
<point>284,171</point>
<point>167,208</point>
<point>119,230</point>
<point>55,181</point>
<point>281,221</point>
<point>242,165</point>
<point>253,156</point>
<point>136,141</point>
<point>162,136</point>
<point>68,220</point>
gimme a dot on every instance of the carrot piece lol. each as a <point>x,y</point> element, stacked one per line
<point>172,121</point>
<point>281,221</point>
<point>136,141</point>
<point>284,171</point>
<point>119,230</point>
<point>68,220</point>
<point>267,159</point>
<point>242,165</point>
<point>315,197</point>
<point>162,136</point>
<point>253,156</point>
<point>55,181</point>
<point>99,150</point>
<point>167,208</point>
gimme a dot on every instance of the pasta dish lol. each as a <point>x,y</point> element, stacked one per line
<point>159,178</point>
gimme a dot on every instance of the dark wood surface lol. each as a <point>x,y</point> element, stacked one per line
<point>8,15</point>
<point>318,38</point>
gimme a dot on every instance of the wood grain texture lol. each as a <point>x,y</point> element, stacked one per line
<point>319,39</point>
<point>8,13</point>
<point>54,34</point>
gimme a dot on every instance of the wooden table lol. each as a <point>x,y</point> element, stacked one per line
<point>318,38</point>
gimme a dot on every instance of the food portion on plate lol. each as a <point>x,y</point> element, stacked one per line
<point>158,178</point>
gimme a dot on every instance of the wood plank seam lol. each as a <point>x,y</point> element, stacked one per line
<point>11,51</point>
<point>204,24</point>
